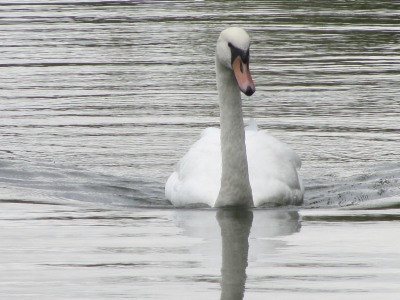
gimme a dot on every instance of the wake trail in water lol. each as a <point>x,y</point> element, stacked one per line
<point>39,181</point>
<point>377,188</point>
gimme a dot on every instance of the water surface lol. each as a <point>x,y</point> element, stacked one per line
<point>99,100</point>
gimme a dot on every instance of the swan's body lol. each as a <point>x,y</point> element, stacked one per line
<point>231,165</point>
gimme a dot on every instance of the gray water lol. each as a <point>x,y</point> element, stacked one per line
<point>99,100</point>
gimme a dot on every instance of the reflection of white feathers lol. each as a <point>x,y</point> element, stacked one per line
<point>272,170</point>
<point>267,229</point>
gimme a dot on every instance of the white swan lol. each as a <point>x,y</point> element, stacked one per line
<point>216,170</point>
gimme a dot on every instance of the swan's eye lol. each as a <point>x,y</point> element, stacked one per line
<point>246,57</point>
<point>235,52</point>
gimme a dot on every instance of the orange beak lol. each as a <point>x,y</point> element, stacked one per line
<point>243,76</point>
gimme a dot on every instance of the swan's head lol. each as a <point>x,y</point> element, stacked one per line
<point>233,52</point>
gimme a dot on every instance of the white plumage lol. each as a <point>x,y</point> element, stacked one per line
<point>231,165</point>
<point>272,166</point>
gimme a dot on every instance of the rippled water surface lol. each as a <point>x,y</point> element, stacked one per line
<point>99,100</point>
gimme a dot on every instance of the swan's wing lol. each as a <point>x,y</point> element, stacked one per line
<point>197,176</point>
<point>273,170</point>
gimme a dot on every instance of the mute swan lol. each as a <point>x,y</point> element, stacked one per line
<point>216,170</point>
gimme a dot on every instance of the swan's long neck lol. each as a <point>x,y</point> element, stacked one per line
<point>235,184</point>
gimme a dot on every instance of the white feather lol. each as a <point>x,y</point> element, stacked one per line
<point>251,167</point>
<point>273,171</point>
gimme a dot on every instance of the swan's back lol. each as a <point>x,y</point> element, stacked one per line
<point>197,176</point>
<point>272,169</point>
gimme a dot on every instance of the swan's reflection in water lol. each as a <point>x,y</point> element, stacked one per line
<point>243,233</point>
<point>236,225</point>
<point>235,230</point>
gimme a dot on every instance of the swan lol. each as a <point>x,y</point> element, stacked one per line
<point>234,165</point>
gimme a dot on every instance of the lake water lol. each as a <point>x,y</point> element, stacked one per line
<point>99,100</point>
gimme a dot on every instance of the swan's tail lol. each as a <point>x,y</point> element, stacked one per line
<point>252,125</point>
